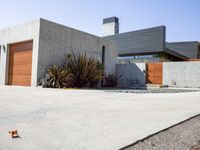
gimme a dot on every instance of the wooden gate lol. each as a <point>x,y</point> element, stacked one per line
<point>154,73</point>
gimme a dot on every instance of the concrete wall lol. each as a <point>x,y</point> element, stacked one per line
<point>181,74</point>
<point>16,34</point>
<point>51,43</point>
<point>188,49</point>
<point>175,74</point>
<point>131,74</point>
<point>141,41</point>
<point>58,40</point>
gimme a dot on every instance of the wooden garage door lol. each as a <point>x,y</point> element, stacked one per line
<point>154,73</point>
<point>20,64</point>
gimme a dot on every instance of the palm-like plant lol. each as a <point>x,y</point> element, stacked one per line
<point>57,77</point>
<point>87,72</point>
<point>78,71</point>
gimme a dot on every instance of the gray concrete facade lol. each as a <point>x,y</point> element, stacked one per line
<point>181,74</point>
<point>131,74</point>
<point>20,33</point>
<point>141,41</point>
<point>189,49</point>
<point>151,41</point>
<point>175,74</point>
<point>51,43</point>
<point>57,40</point>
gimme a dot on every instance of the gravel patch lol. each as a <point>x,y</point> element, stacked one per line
<point>153,90</point>
<point>183,136</point>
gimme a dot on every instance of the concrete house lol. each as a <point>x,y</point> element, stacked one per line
<point>148,45</point>
<point>144,57</point>
<point>27,50</point>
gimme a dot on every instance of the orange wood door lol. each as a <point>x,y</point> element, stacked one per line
<point>20,64</point>
<point>154,73</point>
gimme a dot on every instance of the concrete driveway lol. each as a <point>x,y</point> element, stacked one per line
<point>49,119</point>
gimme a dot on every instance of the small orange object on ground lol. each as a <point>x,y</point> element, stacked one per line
<point>14,134</point>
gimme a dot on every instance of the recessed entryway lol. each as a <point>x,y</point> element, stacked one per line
<point>20,64</point>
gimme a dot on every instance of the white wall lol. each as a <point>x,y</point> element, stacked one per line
<point>20,33</point>
<point>181,74</point>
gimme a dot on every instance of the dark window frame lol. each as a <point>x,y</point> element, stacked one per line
<point>103,54</point>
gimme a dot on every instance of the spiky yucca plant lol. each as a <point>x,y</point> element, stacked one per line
<point>57,77</point>
<point>86,72</point>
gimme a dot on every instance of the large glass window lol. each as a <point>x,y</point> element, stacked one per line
<point>144,56</point>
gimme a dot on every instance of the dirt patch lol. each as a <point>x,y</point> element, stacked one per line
<point>183,136</point>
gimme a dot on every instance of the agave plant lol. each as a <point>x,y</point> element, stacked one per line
<point>86,72</point>
<point>57,77</point>
<point>78,71</point>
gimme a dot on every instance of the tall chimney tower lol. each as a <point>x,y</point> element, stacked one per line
<point>110,26</point>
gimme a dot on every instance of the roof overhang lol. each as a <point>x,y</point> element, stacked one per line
<point>175,54</point>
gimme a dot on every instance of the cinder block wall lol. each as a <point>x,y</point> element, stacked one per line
<point>181,74</point>
<point>131,74</point>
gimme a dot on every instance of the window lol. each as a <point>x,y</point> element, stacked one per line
<point>103,54</point>
<point>144,56</point>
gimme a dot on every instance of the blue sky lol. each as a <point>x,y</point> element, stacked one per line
<point>181,17</point>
